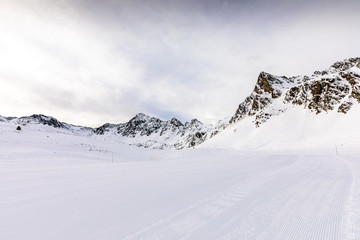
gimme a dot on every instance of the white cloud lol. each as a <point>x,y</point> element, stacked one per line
<point>61,67</point>
<point>88,62</point>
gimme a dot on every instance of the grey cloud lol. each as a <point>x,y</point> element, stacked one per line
<point>194,59</point>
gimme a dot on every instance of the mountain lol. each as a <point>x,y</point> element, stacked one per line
<point>48,121</point>
<point>290,112</point>
<point>145,131</point>
<point>142,130</point>
<point>337,88</point>
<point>294,101</point>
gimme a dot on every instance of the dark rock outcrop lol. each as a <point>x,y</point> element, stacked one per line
<point>335,88</point>
<point>45,120</point>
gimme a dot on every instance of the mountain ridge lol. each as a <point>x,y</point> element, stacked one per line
<point>142,130</point>
<point>334,89</point>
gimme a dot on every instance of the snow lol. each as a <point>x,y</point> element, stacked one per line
<point>295,130</point>
<point>282,172</point>
<point>272,184</point>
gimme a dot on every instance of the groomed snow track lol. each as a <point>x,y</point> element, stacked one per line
<point>57,186</point>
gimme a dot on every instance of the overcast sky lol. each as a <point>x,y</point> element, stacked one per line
<point>94,61</point>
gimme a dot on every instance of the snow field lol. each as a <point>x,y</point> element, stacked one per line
<point>58,186</point>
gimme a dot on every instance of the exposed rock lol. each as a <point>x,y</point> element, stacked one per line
<point>345,107</point>
<point>45,120</point>
<point>104,128</point>
<point>319,95</point>
<point>268,87</point>
<point>322,92</point>
<point>345,64</point>
<point>267,82</point>
<point>146,131</point>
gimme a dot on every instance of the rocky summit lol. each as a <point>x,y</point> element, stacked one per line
<point>333,89</point>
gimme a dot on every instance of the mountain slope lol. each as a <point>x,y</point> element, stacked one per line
<point>61,186</point>
<point>299,112</point>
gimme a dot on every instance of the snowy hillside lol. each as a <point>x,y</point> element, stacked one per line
<point>285,166</point>
<point>58,185</point>
<point>298,112</point>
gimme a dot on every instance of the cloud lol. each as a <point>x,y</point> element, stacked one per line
<point>90,62</point>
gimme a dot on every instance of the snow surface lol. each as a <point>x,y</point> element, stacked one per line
<point>298,130</point>
<point>270,185</point>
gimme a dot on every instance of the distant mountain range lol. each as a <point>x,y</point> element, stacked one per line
<point>142,130</point>
<point>334,89</point>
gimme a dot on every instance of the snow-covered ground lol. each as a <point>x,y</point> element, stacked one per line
<point>54,185</point>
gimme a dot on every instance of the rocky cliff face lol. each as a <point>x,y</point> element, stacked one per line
<point>336,88</point>
<point>267,89</point>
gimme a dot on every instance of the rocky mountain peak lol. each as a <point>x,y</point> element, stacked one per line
<point>334,88</point>
<point>267,88</point>
<point>140,117</point>
<point>45,120</point>
<point>175,122</point>
<point>271,84</point>
<point>195,122</point>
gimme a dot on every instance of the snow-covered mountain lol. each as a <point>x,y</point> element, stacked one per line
<point>145,131</point>
<point>291,112</point>
<point>293,170</point>
<point>142,130</point>
<point>335,90</point>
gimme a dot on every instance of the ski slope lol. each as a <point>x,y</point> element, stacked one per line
<point>58,186</point>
